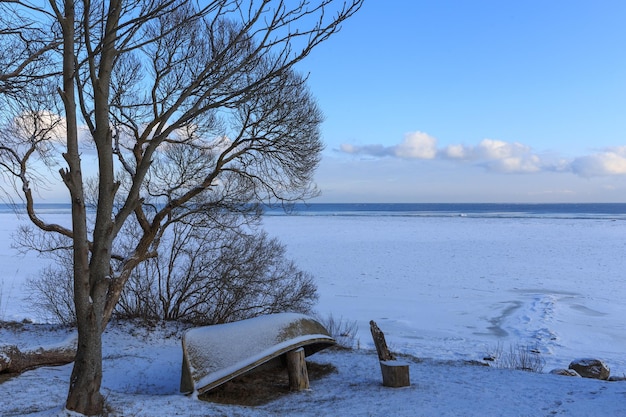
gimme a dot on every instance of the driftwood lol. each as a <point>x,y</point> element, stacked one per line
<point>395,373</point>
<point>381,345</point>
<point>296,369</point>
<point>15,360</point>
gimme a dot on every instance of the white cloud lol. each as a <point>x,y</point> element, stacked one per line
<point>499,150</point>
<point>611,162</point>
<point>41,125</point>
<point>417,145</point>
<point>402,180</point>
<point>493,154</point>
<point>516,164</point>
<point>498,156</point>
<point>457,152</point>
<point>492,150</point>
<point>371,150</point>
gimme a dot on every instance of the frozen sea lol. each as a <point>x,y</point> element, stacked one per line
<point>457,281</point>
<point>443,281</point>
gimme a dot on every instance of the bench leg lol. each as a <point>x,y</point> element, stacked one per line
<point>296,368</point>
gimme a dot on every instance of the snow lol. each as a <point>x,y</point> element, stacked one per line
<point>257,358</point>
<point>454,288</point>
<point>70,342</point>
<point>446,291</point>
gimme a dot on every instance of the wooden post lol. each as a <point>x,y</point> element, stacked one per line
<point>296,368</point>
<point>395,373</point>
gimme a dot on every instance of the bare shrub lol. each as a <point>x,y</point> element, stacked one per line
<point>201,275</point>
<point>343,331</point>
<point>214,275</point>
<point>519,357</point>
<point>52,292</point>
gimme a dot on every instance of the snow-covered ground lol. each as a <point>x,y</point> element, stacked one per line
<point>444,290</point>
<point>456,287</point>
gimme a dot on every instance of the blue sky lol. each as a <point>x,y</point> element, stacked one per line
<point>474,101</point>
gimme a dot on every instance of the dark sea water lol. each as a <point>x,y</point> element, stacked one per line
<point>614,211</point>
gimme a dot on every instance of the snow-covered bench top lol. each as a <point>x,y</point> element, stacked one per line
<point>213,355</point>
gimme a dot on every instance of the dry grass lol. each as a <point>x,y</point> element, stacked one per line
<point>261,387</point>
<point>519,357</point>
<point>343,331</point>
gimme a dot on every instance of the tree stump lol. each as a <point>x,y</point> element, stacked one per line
<point>395,373</point>
<point>296,369</point>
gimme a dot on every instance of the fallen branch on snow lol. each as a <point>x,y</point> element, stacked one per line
<point>15,360</point>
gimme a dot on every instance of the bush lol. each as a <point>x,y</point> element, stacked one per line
<point>344,332</point>
<point>519,357</point>
<point>202,275</point>
<point>52,293</point>
<point>212,276</point>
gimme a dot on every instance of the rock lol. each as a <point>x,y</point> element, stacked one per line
<point>617,378</point>
<point>591,368</point>
<point>565,372</point>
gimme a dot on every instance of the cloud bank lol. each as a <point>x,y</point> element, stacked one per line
<point>497,156</point>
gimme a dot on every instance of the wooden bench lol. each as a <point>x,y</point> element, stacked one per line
<point>213,355</point>
<point>395,373</point>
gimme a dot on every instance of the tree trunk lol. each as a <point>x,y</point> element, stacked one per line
<point>84,392</point>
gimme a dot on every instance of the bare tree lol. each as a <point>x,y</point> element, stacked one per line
<point>207,88</point>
